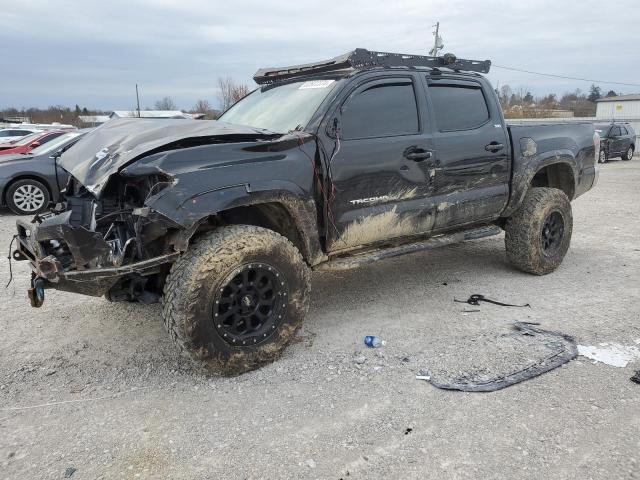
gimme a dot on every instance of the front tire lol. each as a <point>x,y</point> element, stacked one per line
<point>27,197</point>
<point>602,156</point>
<point>538,235</point>
<point>234,301</point>
<point>628,154</point>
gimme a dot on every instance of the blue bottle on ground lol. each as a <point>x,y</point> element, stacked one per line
<point>372,341</point>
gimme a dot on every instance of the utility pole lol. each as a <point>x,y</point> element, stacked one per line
<point>437,41</point>
<point>138,100</point>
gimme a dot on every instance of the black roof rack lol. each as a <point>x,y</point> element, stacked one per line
<point>360,59</point>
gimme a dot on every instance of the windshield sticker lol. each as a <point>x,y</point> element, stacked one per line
<point>316,84</point>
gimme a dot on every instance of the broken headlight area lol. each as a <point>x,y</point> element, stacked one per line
<point>127,229</point>
<point>101,244</point>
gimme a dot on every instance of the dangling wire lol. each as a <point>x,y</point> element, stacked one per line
<point>322,190</point>
<point>10,259</point>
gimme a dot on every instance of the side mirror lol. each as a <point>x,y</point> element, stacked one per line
<point>35,144</point>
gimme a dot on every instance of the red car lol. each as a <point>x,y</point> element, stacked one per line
<point>29,142</point>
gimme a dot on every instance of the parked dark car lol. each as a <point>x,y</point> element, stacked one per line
<point>29,181</point>
<point>324,166</point>
<point>616,140</point>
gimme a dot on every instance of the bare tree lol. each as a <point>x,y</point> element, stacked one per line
<point>203,106</point>
<point>505,95</point>
<point>229,92</point>
<point>165,103</point>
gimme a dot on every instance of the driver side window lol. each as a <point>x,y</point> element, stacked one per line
<point>381,109</point>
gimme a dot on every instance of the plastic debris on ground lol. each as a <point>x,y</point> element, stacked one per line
<point>486,362</point>
<point>636,377</point>
<point>612,354</point>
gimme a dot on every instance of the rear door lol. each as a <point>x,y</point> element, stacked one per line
<point>617,141</point>
<point>381,168</point>
<point>472,151</point>
<point>625,138</point>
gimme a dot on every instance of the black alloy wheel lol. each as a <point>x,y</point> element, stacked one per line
<point>250,304</point>
<point>552,232</point>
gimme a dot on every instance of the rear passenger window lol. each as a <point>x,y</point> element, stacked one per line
<point>381,110</point>
<point>458,107</point>
<point>48,138</point>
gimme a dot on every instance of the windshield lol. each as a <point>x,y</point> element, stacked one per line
<point>602,130</point>
<point>53,144</point>
<point>282,108</point>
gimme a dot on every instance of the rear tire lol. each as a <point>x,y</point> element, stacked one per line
<point>27,197</point>
<point>628,154</point>
<point>234,301</point>
<point>539,233</point>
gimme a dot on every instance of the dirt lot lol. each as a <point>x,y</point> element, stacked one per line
<point>98,387</point>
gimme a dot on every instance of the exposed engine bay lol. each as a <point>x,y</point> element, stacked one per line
<point>87,234</point>
<point>120,217</point>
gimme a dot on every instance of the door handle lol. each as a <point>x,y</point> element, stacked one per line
<point>418,154</point>
<point>494,147</point>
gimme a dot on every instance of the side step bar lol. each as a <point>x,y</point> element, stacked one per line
<point>354,261</point>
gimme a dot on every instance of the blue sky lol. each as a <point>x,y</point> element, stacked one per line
<point>93,52</point>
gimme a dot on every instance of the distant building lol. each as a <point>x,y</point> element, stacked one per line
<point>149,114</point>
<point>15,119</point>
<point>93,120</point>
<point>618,107</point>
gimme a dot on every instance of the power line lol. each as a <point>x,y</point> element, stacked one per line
<point>566,77</point>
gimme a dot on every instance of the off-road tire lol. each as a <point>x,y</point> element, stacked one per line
<point>44,199</point>
<point>524,231</point>
<point>194,285</point>
<point>628,155</point>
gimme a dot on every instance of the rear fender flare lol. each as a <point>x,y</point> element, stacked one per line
<point>522,178</point>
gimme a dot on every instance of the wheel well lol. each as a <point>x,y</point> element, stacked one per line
<point>558,175</point>
<point>26,177</point>
<point>273,216</point>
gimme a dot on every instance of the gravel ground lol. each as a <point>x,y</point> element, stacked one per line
<point>99,387</point>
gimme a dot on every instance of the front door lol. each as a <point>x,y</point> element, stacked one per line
<point>382,165</point>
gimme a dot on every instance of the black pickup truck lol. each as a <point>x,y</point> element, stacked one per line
<point>324,166</point>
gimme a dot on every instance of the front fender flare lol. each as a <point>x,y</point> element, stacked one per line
<point>198,208</point>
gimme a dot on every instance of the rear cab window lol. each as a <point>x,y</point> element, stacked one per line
<point>458,106</point>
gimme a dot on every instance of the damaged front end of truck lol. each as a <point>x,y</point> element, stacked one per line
<point>138,191</point>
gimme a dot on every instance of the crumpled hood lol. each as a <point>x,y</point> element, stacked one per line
<point>110,147</point>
